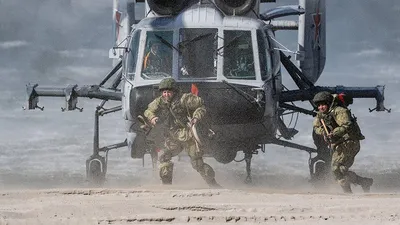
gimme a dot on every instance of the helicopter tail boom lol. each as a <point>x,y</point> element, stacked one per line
<point>311,38</point>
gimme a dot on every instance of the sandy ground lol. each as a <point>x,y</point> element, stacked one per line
<point>156,204</point>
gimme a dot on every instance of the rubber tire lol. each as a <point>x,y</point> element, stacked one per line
<point>94,174</point>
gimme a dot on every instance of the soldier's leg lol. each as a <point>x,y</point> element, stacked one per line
<point>205,170</point>
<point>166,167</point>
<point>351,150</point>
<point>339,170</point>
<point>172,148</point>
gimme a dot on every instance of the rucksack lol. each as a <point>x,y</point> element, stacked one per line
<point>355,131</point>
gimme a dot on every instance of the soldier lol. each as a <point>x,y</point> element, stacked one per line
<point>178,113</point>
<point>344,137</point>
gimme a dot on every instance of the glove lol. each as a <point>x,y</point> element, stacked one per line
<point>154,121</point>
<point>146,128</point>
<point>328,137</point>
<point>193,122</point>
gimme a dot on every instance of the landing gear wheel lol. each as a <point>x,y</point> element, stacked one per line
<point>320,172</point>
<point>96,169</point>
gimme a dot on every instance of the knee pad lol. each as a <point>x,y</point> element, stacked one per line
<point>165,157</point>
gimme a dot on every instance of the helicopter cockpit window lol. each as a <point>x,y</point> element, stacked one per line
<point>133,55</point>
<point>238,56</point>
<point>198,55</point>
<point>264,58</point>
<point>157,59</point>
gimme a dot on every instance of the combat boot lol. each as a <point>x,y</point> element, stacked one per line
<point>166,180</point>
<point>366,184</point>
<point>166,171</point>
<point>346,187</point>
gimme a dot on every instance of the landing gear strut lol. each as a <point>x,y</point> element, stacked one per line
<point>96,165</point>
<point>320,165</point>
<point>247,158</point>
<point>248,155</point>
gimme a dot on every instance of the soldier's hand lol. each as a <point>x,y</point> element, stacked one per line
<point>146,128</point>
<point>328,137</point>
<point>193,122</point>
<point>154,121</point>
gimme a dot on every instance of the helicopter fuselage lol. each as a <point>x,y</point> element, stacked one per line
<point>227,59</point>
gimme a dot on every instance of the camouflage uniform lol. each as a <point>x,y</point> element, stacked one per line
<point>345,143</point>
<point>175,116</point>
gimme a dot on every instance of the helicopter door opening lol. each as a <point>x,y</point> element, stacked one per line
<point>238,55</point>
<point>198,53</point>
<point>157,58</point>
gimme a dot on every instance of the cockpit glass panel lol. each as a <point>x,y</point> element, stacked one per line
<point>262,52</point>
<point>198,55</point>
<point>237,53</point>
<point>133,55</point>
<point>157,59</point>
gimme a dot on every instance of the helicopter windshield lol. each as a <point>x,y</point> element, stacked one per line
<point>157,59</point>
<point>238,55</point>
<point>132,54</point>
<point>197,48</point>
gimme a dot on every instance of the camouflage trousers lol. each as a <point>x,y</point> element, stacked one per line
<point>175,142</point>
<point>342,159</point>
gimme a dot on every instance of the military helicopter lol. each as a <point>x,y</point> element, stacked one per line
<point>226,52</point>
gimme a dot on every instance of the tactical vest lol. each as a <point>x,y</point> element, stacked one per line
<point>174,115</point>
<point>354,132</point>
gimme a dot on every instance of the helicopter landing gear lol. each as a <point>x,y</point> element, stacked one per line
<point>320,165</point>
<point>96,169</point>
<point>154,158</point>
<point>248,155</point>
<point>320,168</point>
<point>96,165</point>
<point>247,158</point>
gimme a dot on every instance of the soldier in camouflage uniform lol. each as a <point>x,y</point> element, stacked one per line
<point>178,112</point>
<point>344,137</point>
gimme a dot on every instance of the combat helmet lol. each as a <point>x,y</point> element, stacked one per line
<point>168,83</point>
<point>323,96</point>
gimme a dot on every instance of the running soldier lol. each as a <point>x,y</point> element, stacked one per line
<point>343,134</point>
<point>178,112</point>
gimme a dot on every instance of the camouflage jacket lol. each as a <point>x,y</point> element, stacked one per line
<point>182,106</point>
<point>340,123</point>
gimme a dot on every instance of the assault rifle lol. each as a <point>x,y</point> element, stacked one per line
<point>327,139</point>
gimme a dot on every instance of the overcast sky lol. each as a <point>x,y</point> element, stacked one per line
<point>58,42</point>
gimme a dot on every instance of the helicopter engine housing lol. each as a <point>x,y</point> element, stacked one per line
<point>236,7</point>
<point>165,8</point>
